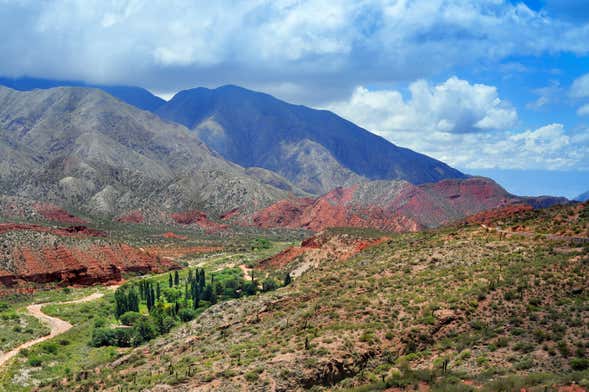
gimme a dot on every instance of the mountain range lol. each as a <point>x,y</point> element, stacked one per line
<point>229,153</point>
<point>583,197</point>
<point>84,149</point>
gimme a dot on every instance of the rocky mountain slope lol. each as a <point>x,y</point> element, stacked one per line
<point>583,197</point>
<point>393,205</point>
<point>136,96</point>
<point>314,149</point>
<point>456,309</point>
<point>85,150</point>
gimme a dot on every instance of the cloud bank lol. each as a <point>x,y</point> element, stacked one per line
<point>466,125</point>
<point>269,44</point>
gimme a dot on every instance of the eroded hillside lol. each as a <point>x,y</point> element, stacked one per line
<point>460,308</point>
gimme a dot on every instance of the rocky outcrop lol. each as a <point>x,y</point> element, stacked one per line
<point>75,255</point>
<point>393,205</point>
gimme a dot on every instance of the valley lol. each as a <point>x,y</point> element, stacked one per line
<point>219,241</point>
<point>463,307</point>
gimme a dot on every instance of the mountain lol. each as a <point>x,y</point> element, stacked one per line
<point>136,96</point>
<point>583,197</point>
<point>84,149</point>
<point>394,205</point>
<point>314,149</point>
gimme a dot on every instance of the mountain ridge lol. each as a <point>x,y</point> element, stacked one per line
<point>256,129</point>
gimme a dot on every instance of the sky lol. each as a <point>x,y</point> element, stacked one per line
<point>492,87</point>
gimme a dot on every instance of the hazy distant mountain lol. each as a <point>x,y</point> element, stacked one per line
<point>136,96</point>
<point>314,149</point>
<point>84,149</point>
<point>583,197</point>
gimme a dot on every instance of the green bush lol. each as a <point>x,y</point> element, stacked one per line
<point>579,363</point>
<point>35,362</point>
<point>120,337</point>
<point>186,314</point>
<point>130,318</point>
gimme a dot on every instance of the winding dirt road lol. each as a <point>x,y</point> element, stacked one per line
<point>58,326</point>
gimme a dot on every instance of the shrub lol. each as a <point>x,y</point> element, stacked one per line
<point>35,362</point>
<point>143,331</point>
<point>269,285</point>
<point>130,318</point>
<point>579,363</point>
<point>186,314</point>
<point>120,337</point>
<point>50,348</point>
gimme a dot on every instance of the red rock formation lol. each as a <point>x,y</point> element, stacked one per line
<point>198,218</point>
<point>54,213</point>
<point>171,235</point>
<point>72,231</point>
<point>323,246</point>
<point>495,214</point>
<point>73,255</point>
<point>134,216</point>
<point>85,265</point>
<point>406,207</point>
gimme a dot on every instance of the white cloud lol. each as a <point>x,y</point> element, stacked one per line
<point>166,45</point>
<point>580,87</point>
<point>546,95</point>
<point>455,106</point>
<point>583,110</point>
<point>463,124</point>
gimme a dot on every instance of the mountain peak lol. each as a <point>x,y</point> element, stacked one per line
<point>252,128</point>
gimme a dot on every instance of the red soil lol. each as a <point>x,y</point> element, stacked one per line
<point>86,265</point>
<point>490,216</point>
<point>230,214</point>
<point>134,216</point>
<point>172,252</point>
<point>199,218</point>
<point>323,246</point>
<point>72,231</point>
<point>412,209</point>
<point>55,213</point>
<point>171,235</point>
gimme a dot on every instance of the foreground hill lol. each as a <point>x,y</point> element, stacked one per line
<point>394,205</point>
<point>463,308</point>
<point>85,150</point>
<point>314,149</point>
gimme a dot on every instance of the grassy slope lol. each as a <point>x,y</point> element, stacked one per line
<point>498,308</point>
<point>69,354</point>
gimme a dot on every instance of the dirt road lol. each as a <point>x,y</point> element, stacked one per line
<point>58,326</point>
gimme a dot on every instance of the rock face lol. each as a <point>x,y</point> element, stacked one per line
<point>76,255</point>
<point>87,151</point>
<point>391,205</point>
<point>314,149</point>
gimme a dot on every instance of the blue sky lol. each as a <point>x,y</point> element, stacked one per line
<point>492,87</point>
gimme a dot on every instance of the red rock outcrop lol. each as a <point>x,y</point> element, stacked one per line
<point>323,246</point>
<point>72,231</point>
<point>198,218</point>
<point>54,213</point>
<point>400,208</point>
<point>134,216</point>
<point>495,214</point>
<point>86,265</point>
<point>73,255</point>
